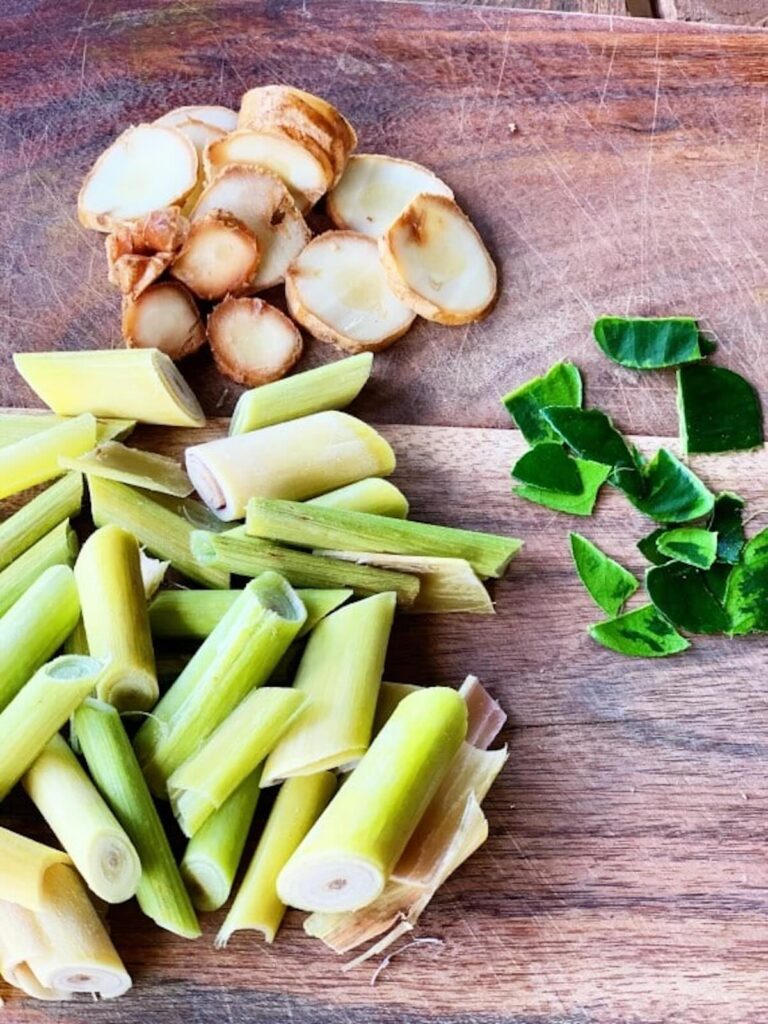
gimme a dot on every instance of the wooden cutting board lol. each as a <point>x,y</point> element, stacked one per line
<point>625,876</point>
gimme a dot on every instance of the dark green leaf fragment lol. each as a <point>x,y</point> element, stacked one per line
<point>643,633</point>
<point>683,594</point>
<point>550,466</point>
<point>593,476</point>
<point>649,547</point>
<point>560,385</point>
<point>609,584</point>
<point>592,435</point>
<point>717,580</point>
<point>746,596</point>
<point>674,494</point>
<point>690,544</point>
<point>726,521</point>
<point>719,411</point>
<point>650,343</point>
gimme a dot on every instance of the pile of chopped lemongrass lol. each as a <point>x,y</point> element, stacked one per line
<point>258,666</point>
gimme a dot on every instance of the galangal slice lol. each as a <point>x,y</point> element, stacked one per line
<point>217,117</point>
<point>164,316</point>
<point>219,256</point>
<point>252,342</point>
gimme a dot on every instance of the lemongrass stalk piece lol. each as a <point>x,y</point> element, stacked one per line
<point>374,495</point>
<point>59,547</point>
<point>297,807</point>
<point>161,893</point>
<point>35,627</point>
<point>390,695</point>
<point>153,572</point>
<point>332,386</point>
<point>115,461</point>
<point>36,459</point>
<point>297,459</point>
<point>164,527</point>
<point>23,867</point>
<point>205,781</point>
<point>312,526</point>
<point>239,655</point>
<point>235,552</point>
<point>38,517</point>
<point>21,938</point>
<point>111,588</point>
<point>341,683</point>
<point>82,822</point>
<point>18,426</point>
<point>252,342</point>
<point>137,384</point>
<point>347,857</point>
<point>213,854</point>
<point>486,715</point>
<point>40,709</point>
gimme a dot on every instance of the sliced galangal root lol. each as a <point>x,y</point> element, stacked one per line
<point>436,262</point>
<point>261,201</point>
<point>146,168</point>
<point>164,316</point>
<point>218,117</point>
<point>301,163</point>
<point>376,189</point>
<point>252,342</point>
<point>133,273</point>
<point>140,251</point>
<point>338,290</point>
<point>219,256</point>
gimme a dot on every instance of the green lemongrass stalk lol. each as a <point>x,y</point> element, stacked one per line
<point>163,526</point>
<point>113,766</point>
<point>24,864</point>
<point>57,548</point>
<point>194,614</point>
<point>39,516</point>
<point>77,641</point>
<point>311,526</point>
<point>39,710</point>
<point>114,461</point>
<point>374,495</point>
<point>82,822</point>
<point>339,674</point>
<point>390,695</point>
<point>36,459</point>
<point>297,460</point>
<point>257,907</point>
<point>108,576</point>
<point>204,782</point>
<point>35,627</point>
<point>347,857</point>
<point>239,655</point>
<point>446,584</point>
<point>16,426</point>
<point>213,854</point>
<point>234,551</point>
<point>332,386</point>
<point>136,383</point>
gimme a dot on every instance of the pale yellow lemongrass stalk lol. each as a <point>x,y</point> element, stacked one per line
<point>24,864</point>
<point>36,459</point>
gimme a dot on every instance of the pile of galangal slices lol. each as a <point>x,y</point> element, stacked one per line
<point>205,209</point>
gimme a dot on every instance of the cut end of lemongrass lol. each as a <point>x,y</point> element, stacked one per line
<point>220,256</point>
<point>207,887</point>
<point>375,189</point>
<point>146,168</point>
<point>219,117</point>
<point>337,289</point>
<point>153,572</point>
<point>164,316</point>
<point>329,884</point>
<point>115,461</point>
<point>252,342</point>
<point>486,716</point>
<point>436,263</point>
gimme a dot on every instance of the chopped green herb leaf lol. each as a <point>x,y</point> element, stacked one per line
<point>746,596</point>
<point>643,633</point>
<point>719,411</point>
<point>683,594</point>
<point>690,544</point>
<point>608,583</point>
<point>592,435</point>
<point>650,343</point>
<point>560,385</point>
<point>727,524</point>
<point>674,493</point>
<point>550,466</point>
<point>649,547</point>
<point>593,476</point>
<point>717,580</point>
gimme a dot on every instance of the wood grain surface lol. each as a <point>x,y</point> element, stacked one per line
<point>732,12</point>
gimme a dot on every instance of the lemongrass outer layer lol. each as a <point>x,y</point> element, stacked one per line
<point>20,939</point>
<point>57,548</point>
<point>17,426</point>
<point>36,459</point>
<point>390,695</point>
<point>23,866</point>
<point>38,517</point>
<point>115,461</point>
<point>374,495</point>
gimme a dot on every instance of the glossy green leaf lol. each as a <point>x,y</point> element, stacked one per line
<point>593,476</point>
<point>649,547</point>
<point>726,521</point>
<point>550,466</point>
<point>717,580</point>
<point>674,494</point>
<point>746,596</point>
<point>683,594</point>
<point>560,385</point>
<point>643,633</point>
<point>650,343</point>
<point>719,410</point>
<point>592,435</point>
<point>609,584</point>
<point>690,544</point>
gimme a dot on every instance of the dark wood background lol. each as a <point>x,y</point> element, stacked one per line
<point>625,877</point>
